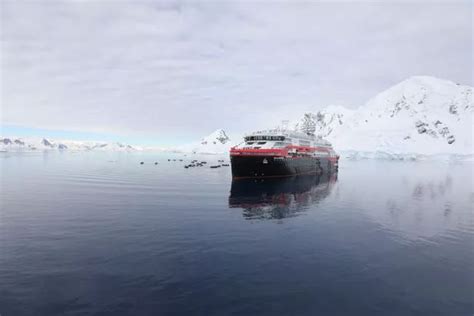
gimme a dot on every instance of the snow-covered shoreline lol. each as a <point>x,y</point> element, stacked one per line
<point>381,155</point>
<point>220,149</point>
<point>29,144</point>
<point>421,118</point>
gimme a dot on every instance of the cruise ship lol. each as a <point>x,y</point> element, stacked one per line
<point>282,153</point>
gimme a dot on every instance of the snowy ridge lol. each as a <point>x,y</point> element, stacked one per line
<point>33,144</point>
<point>421,116</point>
<point>215,143</point>
<point>328,119</point>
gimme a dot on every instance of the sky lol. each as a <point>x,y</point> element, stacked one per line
<point>170,72</point>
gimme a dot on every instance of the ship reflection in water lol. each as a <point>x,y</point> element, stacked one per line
<point>279,198</point>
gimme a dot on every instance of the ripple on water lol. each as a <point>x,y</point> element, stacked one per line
<point>79,234</point>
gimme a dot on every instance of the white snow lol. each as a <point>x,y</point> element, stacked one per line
<point>218,142</point>
<point>41,144</point>
<point>421,116</point>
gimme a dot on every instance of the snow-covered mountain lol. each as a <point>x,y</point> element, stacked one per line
<point>215,143</point>
<point>329,119</point>
<point>32,144</point>
<point>421,115</point>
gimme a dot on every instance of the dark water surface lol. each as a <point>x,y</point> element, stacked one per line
<point>100,234</point>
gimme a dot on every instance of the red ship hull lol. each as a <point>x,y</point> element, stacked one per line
<point>272,163</point>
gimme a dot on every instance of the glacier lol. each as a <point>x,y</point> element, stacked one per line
<point>419,118</point>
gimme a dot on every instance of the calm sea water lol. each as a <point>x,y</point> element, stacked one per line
<point>100,234</point>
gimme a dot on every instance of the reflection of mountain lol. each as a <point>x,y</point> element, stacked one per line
<point>413,201</point>
<point>279,198</point>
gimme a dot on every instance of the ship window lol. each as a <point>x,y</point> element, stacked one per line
<point>249,143</point>
<point>263,137</point>
<point>261,143</point>
<point>278,144</point>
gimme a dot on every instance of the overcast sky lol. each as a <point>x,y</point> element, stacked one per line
<point>175,71</point>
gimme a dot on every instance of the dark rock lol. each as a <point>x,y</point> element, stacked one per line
<point>46,142</point>
<point>432,133</point>
<point>453,109</point>
<point>421,129</point>
<point>222,138</point>
<point>420,124</point>
<point>141,162</point>
<point>444,131</point>
<point>19,142</point>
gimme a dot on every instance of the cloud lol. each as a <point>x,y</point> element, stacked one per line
<point>185,68</point>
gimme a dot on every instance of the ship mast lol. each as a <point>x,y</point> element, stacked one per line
<point>284,125</point>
